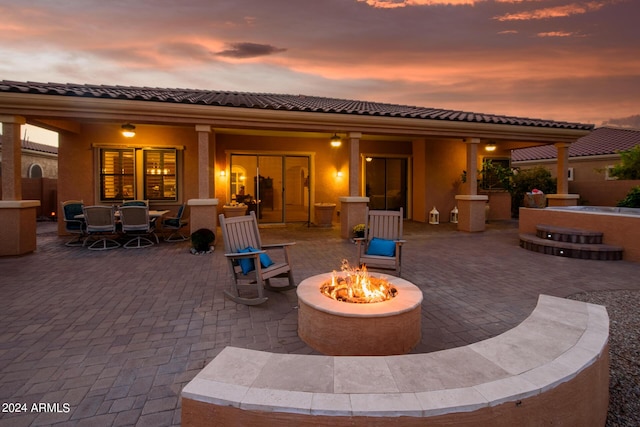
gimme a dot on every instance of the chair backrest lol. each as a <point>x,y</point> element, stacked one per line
<point>181,211</point>
<point>240,232</point>
<point>384,224</point>
<point>134,218</point>
<point>70,209</point>
<point>135,203</point>
<point>100,219</point>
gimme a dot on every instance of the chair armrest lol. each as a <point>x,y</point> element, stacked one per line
<point>245,254</point>
<point>278,245</point>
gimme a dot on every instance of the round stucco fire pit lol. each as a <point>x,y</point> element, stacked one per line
<point>340,328</point>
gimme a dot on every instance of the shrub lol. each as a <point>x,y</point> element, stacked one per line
<point>526,180</point>
<point>632,200</point>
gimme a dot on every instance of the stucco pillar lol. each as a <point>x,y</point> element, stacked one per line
<point>11,157</point>
<point>205,177</point>
<point>562,196</point>
<point>471,206</point>
<point>352,207</point>
<point>354,163</point>
<point>203,211</point>
<point>17,216</point>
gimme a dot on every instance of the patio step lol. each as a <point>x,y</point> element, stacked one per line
<point>570,243</point>
<point>566,234</point>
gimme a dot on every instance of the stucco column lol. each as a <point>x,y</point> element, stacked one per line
<point>205,176</point>
<point>354,163</point>
<point>562,196</point>
<point>471,206</point>
<point>203,211</point>
<point>17,216</point>
<point>563,167</point>
<point>11,157</point>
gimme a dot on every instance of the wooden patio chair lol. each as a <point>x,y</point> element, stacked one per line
<point>381,246</point>
<point>249,262</point>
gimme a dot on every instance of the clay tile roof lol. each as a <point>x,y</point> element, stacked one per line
<point>604,140</point>
<point>34,146</point>
<point>276,102</point>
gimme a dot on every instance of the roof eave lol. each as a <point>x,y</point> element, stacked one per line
<point>52,106</point>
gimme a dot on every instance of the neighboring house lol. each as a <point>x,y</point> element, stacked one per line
<point>590,160</point>
<point>38,160</point>
<point>205,148</point>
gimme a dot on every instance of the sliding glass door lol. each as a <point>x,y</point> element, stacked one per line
<point>276,187</point>
<point>386,183</point>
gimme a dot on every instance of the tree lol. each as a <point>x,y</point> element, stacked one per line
<point>629,166</point>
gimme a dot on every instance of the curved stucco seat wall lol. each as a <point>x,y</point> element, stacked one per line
<point>552,369</point>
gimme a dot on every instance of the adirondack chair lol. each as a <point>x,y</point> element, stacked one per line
<point>248,259</point>
<point>381,246</point>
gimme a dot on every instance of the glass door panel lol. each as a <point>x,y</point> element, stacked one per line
<point>268,188</point>
<point>297,190</point>
<point>386,183</point>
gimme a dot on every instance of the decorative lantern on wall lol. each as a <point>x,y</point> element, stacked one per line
<point>453,217</point>
<point>434,216</point>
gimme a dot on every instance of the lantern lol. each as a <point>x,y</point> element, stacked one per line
<point>453,217</point>
<point>434,216</point>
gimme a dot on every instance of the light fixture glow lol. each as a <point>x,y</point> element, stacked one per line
<point>490,147</point>
<point>223,173</point>
<point>336,141</point>
<point>339,174</point>
<point>128,130</point>
<point>368,158</point>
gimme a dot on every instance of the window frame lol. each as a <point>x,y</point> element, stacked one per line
<point>139,174</point>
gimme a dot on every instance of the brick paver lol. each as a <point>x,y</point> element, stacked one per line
<point>111,338</point>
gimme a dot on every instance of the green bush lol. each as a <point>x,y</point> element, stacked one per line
<point>525,180</point>
<point>632,200</point>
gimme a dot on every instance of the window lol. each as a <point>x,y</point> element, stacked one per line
<point>570,174</point>
<point>117,173</point>
<point>154,178</point>
<point>607,173</point>
<point>35,171</point>
<point>160,175</point>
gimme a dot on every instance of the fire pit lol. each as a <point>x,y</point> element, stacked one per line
<point>358,328</point>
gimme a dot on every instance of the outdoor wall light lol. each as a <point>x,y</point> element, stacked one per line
<point>490,147</point>
<point>128,130</point>
<point>338,174</point>
<point>368,158</point>
<point>223,174</point>
<point>336,141</point>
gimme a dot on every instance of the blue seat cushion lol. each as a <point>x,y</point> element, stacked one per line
<point>246,264</point>
<point>172,222</point>
<point>382,247</point>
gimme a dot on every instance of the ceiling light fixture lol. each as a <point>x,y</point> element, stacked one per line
<point>128,130</point>
<point>490,147</point>
<point>336,141</point>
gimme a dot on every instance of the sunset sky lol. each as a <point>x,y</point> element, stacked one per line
<point>568,60</point>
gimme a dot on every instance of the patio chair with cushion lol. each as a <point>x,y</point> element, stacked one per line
<point>136,223</point>
<point>101,226</point>
<point>381,246</point>
<point>246,254</point>
<point>175,224</point>
<point>73,225</point>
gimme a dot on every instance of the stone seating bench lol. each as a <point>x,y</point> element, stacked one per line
<point>552,369</point>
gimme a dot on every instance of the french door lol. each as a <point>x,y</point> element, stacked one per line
<point>275,186</point>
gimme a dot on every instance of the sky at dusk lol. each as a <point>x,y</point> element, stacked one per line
<point>567,60</point>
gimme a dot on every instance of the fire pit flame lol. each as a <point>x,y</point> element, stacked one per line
<point>355,285</point>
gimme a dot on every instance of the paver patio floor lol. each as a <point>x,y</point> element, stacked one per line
<point>115,335</point>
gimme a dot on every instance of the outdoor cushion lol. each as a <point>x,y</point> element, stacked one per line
<point>246,264</point>
<point>382,247</point>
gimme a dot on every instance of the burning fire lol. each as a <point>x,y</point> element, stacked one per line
<point>356,286</point>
